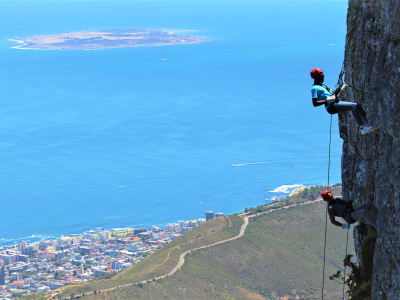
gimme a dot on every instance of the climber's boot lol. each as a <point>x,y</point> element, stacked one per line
<point>367,129</point>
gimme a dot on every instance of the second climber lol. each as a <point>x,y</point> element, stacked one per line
<point>322,95</point>
<point>343,209</point>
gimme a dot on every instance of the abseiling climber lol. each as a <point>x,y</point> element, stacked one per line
<point>322,94</point>
<point>337,207</point>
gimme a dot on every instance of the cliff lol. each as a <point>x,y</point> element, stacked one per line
<point>371,163</point>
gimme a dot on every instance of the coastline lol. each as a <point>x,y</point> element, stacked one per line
<point>6,243</point>
<point>282,192</point>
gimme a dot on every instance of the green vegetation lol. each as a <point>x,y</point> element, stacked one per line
<point>360,277</point>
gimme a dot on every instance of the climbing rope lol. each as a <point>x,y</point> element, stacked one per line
<point>340,83</point>
<point>326,210</point>
<point>341,80</point>
<point>344,272</point>
<point>326,220</point>
<point>323,268</point>
<point>347,237</point>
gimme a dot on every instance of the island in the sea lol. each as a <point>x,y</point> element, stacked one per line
<point>107,39</point>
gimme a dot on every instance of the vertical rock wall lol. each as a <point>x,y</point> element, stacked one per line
<point>371,163</point>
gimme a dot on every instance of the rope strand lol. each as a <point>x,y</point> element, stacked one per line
<point>326,211</point>
<point>344,272</point>
<point>347,237</point>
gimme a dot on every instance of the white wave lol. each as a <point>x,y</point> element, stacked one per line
<point>30,239</point>
<point>286,189</point>
<point>40,237</point>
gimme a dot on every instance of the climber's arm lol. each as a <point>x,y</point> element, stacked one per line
<point>333,219</point>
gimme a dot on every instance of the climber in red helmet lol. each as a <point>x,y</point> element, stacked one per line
<point>322,94</point>
<point>343,209</point>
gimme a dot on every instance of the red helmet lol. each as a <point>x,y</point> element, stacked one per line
<point>315,72</point>
<point>325,194</point>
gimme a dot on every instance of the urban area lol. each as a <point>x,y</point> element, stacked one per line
<point>49,264</point>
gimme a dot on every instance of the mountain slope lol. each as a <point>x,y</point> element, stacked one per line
<point>279,255</point>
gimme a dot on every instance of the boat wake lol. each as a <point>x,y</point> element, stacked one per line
<point>253,163</point>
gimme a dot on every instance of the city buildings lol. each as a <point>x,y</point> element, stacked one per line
<point>49,264</point>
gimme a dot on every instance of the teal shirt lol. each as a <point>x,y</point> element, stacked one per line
<point>320,92</point>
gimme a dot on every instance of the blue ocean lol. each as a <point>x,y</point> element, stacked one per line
<point>152,135</point>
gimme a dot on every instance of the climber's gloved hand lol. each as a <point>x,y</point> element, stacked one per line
<point>340,89</point>
<point>346,226</point>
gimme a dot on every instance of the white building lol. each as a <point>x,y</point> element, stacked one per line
<point>22,246</point>
<point>8,258</point>
<point>170,227</point>
<point>104,235</point>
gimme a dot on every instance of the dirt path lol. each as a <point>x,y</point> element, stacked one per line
<point>181,262</point>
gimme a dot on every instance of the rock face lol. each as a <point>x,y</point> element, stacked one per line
<point>371,162</point>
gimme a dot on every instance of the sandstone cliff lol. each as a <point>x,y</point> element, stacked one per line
<point>371,163</point>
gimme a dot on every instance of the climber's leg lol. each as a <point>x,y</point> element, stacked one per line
<point>362,113</point>
<point>363,212</point>
<point>355,108</point>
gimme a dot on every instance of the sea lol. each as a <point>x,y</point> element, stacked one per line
<point>133,137</point>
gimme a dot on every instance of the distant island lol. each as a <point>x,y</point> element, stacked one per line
<point>107,39</point>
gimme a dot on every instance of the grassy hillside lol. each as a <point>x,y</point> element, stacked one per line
<point>279,255</point>
<point>163,260</point>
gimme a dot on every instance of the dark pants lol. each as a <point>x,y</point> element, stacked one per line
<point>356,109</point>
<point>362,213</point>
